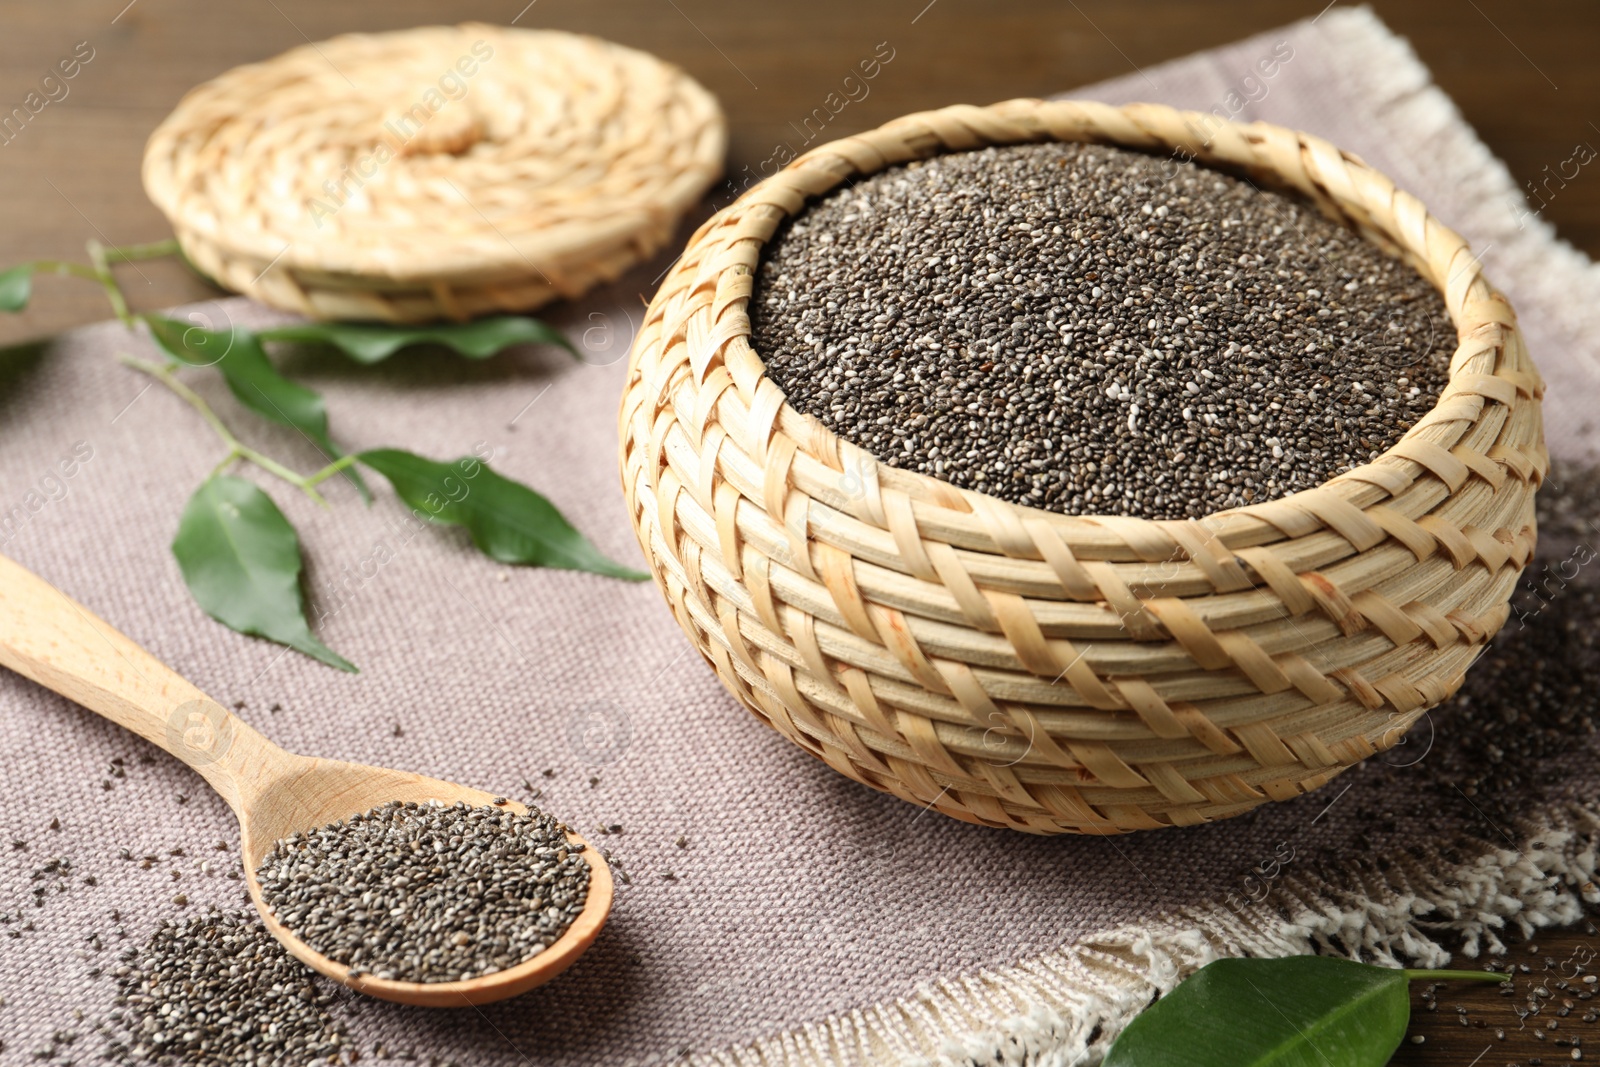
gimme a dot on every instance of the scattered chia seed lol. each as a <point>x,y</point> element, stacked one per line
<point>1529,702</point>
<point>428,893</point>
<point>1088,329</point>
<point>218,988</point>
<point>1525,717</point>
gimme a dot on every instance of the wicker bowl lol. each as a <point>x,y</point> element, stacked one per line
<point>1089,673</point>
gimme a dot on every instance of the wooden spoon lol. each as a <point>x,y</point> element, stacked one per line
<point>47,636</point>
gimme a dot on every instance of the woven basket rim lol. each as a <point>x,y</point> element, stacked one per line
<point>1472,303</point>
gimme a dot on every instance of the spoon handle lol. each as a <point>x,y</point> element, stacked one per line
<point>47,636</point>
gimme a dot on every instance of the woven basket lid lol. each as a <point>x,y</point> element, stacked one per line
<point>439,172</point>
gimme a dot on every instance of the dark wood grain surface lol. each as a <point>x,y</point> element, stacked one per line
<point>1525,75</point>
<point>1550,1014</point>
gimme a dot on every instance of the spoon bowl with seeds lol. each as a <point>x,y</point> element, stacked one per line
<point>399,886</point>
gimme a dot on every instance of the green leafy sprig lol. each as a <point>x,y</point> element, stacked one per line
<point>239,554</point>
<point>1299,1011</point>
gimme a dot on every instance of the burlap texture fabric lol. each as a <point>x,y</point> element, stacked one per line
<point>808,919</point>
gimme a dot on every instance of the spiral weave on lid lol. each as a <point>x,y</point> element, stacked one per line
<point>440,172</point>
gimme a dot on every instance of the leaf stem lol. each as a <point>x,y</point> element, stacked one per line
<point>108,282</point>
<point>236,448</point>
<point>57,266</point>
<point>1456,976</point>
<point>101,257</point>
<point>233,454</point>
<point>165,376</point>
<point>149,250</point>
<point>330,470</point>
<point>272,466</point>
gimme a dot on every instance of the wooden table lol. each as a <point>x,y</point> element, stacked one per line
<point>1468,1023</point>
<point>1524,74</point>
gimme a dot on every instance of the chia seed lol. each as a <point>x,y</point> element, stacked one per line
<point>1085,329</point>
<point>1523,731</point>
<point>1529,702</point>
<point>427,892</point>
<point>219,988</point>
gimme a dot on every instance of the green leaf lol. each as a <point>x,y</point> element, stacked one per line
<point>508,521</point>
<point>238,355</point>
<point>1303,1011</point>
<point>371,343</point>
<point>241,561</point>
<point>16,287</point>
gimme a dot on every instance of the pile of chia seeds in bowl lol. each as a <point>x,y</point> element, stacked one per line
<point>427,892</point>
<point>1087,329</point>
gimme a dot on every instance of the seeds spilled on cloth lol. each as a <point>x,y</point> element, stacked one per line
<point>1518,742</point>
<point>219,988</point>
<point>427,892</point>
<point>1088,329</point>
<point>1529,705</point>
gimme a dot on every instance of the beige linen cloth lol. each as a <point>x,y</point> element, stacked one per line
<point>809,919</point>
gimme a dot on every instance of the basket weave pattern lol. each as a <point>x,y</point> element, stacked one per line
<point>440,172</point>
<point>1093,674</point>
